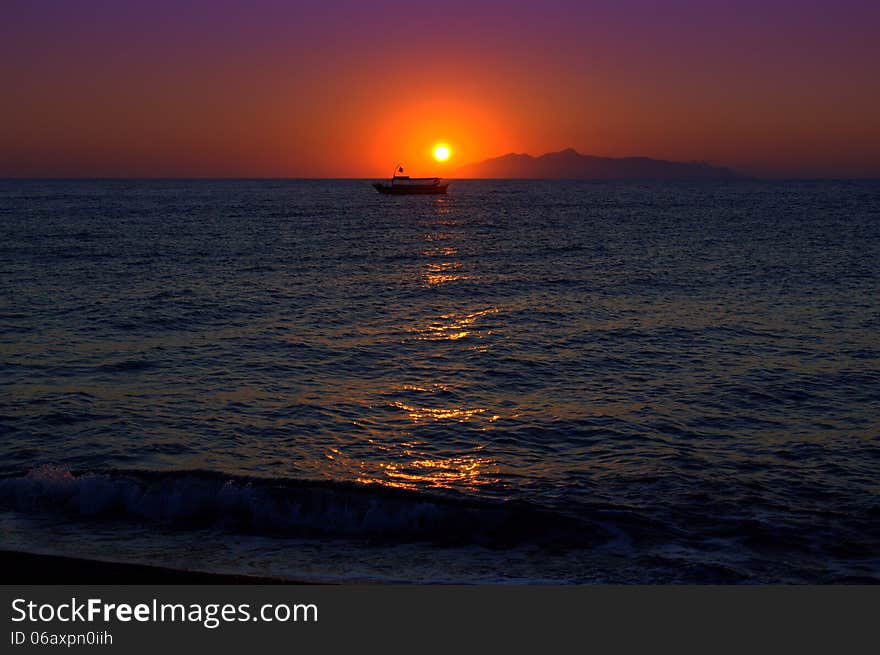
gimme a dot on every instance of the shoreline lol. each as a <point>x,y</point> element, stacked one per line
<point>23,568</point>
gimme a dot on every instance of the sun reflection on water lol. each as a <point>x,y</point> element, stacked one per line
<point>418,414</point>
<point>444,251</point>
<point>467,471</point>
<point>442,272</point>
<point>453,326</point>
<point>406,460</point>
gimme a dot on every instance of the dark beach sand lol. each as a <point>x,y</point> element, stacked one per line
<point>28,568</point>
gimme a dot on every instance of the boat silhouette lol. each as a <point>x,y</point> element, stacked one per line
<point>406,185</point>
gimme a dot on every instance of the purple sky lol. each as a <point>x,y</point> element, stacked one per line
<point>347,88</point>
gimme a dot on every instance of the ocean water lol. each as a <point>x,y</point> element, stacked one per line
<point>527,382</point>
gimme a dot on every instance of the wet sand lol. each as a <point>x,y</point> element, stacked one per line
<point>28,568</point>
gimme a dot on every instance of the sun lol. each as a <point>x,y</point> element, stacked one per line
<point>441,153</point>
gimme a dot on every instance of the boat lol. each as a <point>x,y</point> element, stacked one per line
<point>406,185</point>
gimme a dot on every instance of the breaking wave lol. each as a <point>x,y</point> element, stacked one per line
<point>286,507</point>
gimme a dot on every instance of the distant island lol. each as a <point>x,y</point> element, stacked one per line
<point>570,164</point>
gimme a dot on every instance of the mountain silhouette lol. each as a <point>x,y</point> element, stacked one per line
<point>571,165</point>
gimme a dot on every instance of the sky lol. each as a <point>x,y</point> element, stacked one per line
<point>332,88</point>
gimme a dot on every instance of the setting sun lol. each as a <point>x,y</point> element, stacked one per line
<point>441,153</point>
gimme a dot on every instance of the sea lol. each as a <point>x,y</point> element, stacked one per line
<point>521,382</point>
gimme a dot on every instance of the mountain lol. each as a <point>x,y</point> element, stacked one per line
<point>571,165</point>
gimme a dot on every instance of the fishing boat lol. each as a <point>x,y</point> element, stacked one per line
<point>406,185</point>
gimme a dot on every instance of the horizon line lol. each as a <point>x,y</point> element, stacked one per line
<point>743,178</point>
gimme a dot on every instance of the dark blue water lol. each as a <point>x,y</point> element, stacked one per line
<point>520,381</point>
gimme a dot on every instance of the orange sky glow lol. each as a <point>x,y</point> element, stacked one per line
<point>332,90</point>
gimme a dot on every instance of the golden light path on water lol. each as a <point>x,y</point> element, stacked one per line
<point>453,327</point>
<point>408,467</point>
<point>442,272</point>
